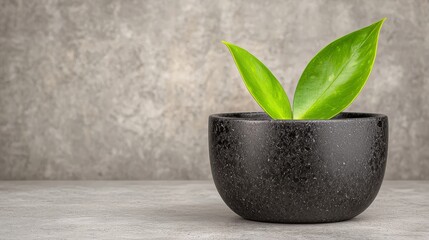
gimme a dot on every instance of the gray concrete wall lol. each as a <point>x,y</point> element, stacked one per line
<point>123,89</point>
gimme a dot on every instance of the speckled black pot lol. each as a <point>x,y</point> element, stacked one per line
<point>308,171</point>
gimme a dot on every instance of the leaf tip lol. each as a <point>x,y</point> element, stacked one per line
<point>380,23</point>
<point>226,43</point>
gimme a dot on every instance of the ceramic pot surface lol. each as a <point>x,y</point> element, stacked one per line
<point>298,171</point>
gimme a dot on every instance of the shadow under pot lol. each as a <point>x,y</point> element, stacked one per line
<point>298,171</point>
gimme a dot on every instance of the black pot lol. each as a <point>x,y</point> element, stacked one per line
<point>298,171</point>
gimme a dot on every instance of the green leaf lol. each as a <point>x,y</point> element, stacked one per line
<point>336,75</point>
<point>261,83</point>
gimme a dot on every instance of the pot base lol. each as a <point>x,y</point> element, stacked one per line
<point>298,222</point>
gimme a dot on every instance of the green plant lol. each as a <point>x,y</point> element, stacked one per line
<point>328,85</point>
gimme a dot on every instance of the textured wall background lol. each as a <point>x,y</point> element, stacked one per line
<point>123,89</point>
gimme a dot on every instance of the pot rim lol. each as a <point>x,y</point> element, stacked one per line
<point>263,117</point>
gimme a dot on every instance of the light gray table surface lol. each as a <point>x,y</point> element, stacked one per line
<point>187,210</point>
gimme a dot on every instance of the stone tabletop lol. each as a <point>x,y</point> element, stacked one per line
<point>187,210</point>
